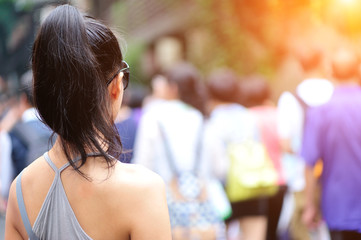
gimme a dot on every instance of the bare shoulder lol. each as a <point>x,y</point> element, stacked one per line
<point>36,175</point>
<point>147,209</point>
<point>138,187</point>
<point>14,229</point>
<point>138,177</point>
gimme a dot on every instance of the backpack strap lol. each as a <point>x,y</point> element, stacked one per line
<point>197,160</point>
<point>303,104</point>
<point>22,209</point>
<point>170,156</point>
<point>168,150</point>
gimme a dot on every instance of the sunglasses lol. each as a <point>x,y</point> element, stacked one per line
<point>125,79</point>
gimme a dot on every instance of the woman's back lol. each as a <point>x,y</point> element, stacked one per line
<point>79,76</point>
<point>108,207</point>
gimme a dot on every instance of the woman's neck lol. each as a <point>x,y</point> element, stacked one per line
<point>57,151</point>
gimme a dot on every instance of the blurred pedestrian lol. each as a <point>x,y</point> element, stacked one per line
<point>12,149</point>
<point>30,130</point>
<point>171,141</point>
<point>24,139</point>
<point>258,100</point>
<point>127,120</point>
<point>312,91</point>
<point>7,121</point>
<point>332,135</point>
<point>177,110</point>
<point>232,123</point>
<point>82,190</point>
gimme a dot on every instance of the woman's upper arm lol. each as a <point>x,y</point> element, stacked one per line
<point>13,219</point>
<point>150,220</point>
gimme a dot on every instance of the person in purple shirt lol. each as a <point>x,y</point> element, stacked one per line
<point>333,134</point>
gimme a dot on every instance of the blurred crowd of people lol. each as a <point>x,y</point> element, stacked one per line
<point>23,137</point>
<point>319,120</point>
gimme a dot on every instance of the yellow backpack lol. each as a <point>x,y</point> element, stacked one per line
<point>252,173</point>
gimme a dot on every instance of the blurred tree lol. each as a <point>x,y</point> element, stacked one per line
<point>247,34</point>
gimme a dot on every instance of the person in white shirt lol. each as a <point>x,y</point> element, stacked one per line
<point>176,124</point>
<point>178,113</point>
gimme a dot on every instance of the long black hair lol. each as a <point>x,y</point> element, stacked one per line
<point>73,56</point>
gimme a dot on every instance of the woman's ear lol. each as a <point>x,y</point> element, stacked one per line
<point>116,87</point>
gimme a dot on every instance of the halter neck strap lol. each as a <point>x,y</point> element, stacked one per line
<point>52,165</point>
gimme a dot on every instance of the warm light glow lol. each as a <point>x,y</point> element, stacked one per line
<point>347,2</point>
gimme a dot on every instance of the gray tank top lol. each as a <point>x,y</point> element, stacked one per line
<point>56,219</point>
